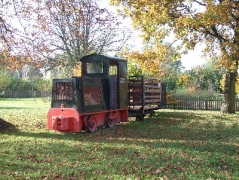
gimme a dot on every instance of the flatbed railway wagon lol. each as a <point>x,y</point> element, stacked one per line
<point>102,96</point>
<point>145,95</point>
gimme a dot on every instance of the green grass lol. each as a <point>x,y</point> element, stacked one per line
<point>171,145</point>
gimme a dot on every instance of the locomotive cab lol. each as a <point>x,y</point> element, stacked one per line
<point>104,82</point>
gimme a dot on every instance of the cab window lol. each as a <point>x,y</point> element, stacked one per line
<point>94,67</point>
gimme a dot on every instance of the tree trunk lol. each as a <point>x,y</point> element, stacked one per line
<point>229,93</point>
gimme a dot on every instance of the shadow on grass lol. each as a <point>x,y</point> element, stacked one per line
<point>81,154</point>
<point>152,132</point>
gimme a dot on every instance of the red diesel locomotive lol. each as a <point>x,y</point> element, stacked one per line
<point>102,96</point>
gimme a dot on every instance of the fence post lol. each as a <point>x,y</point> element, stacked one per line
<point>206,104</point>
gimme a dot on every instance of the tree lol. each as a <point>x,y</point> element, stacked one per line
<point>10,37</point>
<point>204,77</point>
<point>215,22</point>
<point>150,60</point>
<point>209,76</point>
<point>171,68</point>
<point>4,80</point>
<point>172,71</point>
<point>60,32</point>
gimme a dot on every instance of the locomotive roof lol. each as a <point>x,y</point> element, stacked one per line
<point>95,57</point>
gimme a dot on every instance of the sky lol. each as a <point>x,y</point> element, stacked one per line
<point>193,58</point>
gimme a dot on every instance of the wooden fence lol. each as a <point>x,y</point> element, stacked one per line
<point>26,94</point>
<point>199,103</point>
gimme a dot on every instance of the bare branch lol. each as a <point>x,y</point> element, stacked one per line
<point>200,3</point>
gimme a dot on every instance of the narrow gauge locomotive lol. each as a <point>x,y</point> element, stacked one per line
<point>102,96</point>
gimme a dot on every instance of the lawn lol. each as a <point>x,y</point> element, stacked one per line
<point>172,145</point>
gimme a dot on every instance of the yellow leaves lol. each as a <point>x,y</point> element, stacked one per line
<point>184,21</point>
<point>43,26</point>
<point>149,61</point>
<point>28,60</point>
<point>12,62</point>
<point>233,66</point>
<point>222,83</point>
<point>227,61</point>
<point>77,70</point>
<point>183,80</point>
<point>170,99</point>
<point>5,54</point>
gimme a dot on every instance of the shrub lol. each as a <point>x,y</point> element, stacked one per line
<point>186,92</point>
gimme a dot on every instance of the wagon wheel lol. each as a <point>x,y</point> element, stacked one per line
<point>140,118</point>
<point>111,119</point>
<point>91,124</point>
<point>151,114</point>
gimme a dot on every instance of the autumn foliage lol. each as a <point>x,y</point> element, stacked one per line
<point>214,23</point>
<point>149,60</point>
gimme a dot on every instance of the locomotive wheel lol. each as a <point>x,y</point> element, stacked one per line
<point>111,119</point>
<point>91,124</point>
